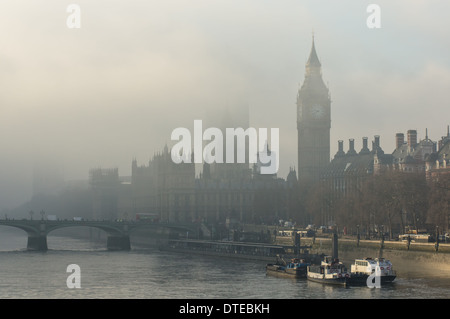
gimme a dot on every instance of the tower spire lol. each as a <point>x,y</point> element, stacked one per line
<point>313,59</point>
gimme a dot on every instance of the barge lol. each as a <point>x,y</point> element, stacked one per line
<point>243,250</point>
<point>256,251</point>
<point>295,268</point>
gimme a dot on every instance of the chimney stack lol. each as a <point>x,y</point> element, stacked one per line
<point>340,151</point>
<point>351,150</point>
<point>376,144</point>
<point>399,140</point>
<point>412,138</point>
<point>365,148</point>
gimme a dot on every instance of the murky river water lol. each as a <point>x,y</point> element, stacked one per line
<point>146,272</point>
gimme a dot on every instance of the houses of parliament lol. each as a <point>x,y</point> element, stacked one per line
<point>225,192</point>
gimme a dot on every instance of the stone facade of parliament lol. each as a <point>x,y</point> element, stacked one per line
<point>174,193</point>
<point>222,192</point>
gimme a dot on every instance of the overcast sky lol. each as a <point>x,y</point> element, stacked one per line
<point>115,89</point>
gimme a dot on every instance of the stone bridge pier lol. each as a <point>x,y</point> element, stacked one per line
<point>37,236</point>
<point>115,242</point>
<point>37,242</point>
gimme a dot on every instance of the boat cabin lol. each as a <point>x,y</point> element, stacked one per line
<point>331,271</point>
<point>329,266</point>
<point>368,266</point>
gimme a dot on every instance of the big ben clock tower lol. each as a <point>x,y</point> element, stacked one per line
<point>313,121</point>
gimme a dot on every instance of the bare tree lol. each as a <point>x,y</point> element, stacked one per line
<point>439,202</point>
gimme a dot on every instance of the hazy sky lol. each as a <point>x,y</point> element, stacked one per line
<point>115,89</point>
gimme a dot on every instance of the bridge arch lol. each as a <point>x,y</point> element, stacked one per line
<point>118,232</point>
<point>12,238</point>
<point>37,231</point>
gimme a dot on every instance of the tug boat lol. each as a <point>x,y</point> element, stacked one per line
<point>296,268</point>
<point>330,271</point>
<point>361,269</point>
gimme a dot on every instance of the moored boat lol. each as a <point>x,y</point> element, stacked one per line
<point>296,268</point>
<point>330,271</point>
<point>361,269</point>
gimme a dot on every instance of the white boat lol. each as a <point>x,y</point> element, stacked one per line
<point>330,271</point>
<point>361,269</point>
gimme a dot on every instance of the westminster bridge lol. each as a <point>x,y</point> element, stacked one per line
<point>118,232</point>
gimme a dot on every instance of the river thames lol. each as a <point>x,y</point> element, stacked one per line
<point>146,272</point>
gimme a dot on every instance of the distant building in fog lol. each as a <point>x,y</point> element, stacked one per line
<point>105,193</point>
<point>164,188</point>
<point>173,192</point>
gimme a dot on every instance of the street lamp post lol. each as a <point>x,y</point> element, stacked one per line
<point>436,245</point>
<point>357,236</point>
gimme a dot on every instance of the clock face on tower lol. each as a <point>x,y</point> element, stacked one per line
<point>317,111</point>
